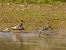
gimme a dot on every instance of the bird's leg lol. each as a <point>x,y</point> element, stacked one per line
<point>40,33</point>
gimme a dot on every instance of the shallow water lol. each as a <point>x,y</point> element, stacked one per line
<point>10,34</point>
<point>32,41</point>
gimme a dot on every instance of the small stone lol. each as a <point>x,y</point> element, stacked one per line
<point>17,9</point>
<point>39,6</point>
<point>22,9</point>
<point>8,4</point>
<point>22,5</point>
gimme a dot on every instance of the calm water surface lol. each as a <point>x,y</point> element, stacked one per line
<point>31,41</point>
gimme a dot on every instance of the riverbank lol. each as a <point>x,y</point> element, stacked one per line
<point>34,16</point>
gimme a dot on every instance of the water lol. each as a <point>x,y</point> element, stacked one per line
<point>32,41</point>
<point>9,35</point>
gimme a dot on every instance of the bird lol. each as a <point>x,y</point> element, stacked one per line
<point>45,30</point>
<point>19,26</point>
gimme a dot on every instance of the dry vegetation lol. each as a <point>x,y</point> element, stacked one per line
<point>34,17</point>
